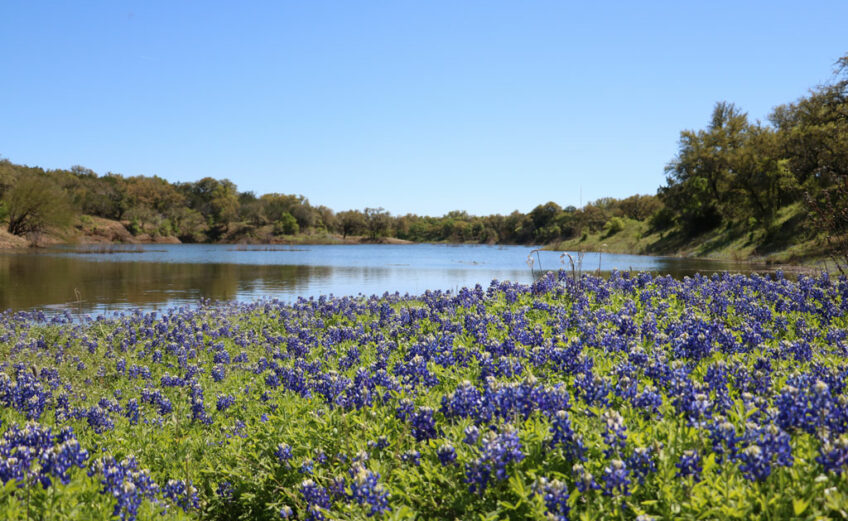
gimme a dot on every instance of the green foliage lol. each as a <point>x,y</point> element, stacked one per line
<point>377,222</point>
<point>736,171</point>
<point>829,213</point>
<point>286,225</point>
<point>135,227</point>
<point>614,226</point>
<point>34,203</point>
<point>165,228</point>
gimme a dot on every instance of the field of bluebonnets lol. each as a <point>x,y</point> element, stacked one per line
<point>634,397</point>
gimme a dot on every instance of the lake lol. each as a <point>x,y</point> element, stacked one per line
<point>102,279</point>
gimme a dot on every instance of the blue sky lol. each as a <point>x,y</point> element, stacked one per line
<point>415,106</point>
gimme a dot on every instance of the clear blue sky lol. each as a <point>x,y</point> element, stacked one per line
<point>423,106</point>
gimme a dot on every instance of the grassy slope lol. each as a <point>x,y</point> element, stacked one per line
<point>787,242</point>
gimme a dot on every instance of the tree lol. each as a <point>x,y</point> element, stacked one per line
<point>351,222</point>
<point>35,203</point>
<point>829,215</point>
<point>377,222</point>
<point>699,179</point>
<point>762,177</point>
<point>814,132</point>
<point>286,225</point>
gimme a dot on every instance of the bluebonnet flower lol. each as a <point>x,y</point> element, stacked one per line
<point>219,372</point>
<point>592,389</point>
<point>498,451</point>
<point>766,445</point>
<point>307,467</point>
<point>182,493</point>
<point>404,409</point>
<point>317,500</point>
<point>689,465</point>
<point>833,455</point>
<point>380,443</point>
<point>724,439</point>
<point>642,463</point>
<point>555,495</point>
<point>126,483</point>
<point>98,419</point>
<point>615,433</point>
<point>753,463</point>
<point>649,401</point>
<point>366,489</point>
<point>25,394</point>
<point>423,425</point>
<point>34,452</point>
<point>472,434</point>
<point>564,436</point>
<point>132,411</point>
<point>616,478</point>
<point>283,453</point>
<point>583,480</point>
<point>198,411</point>
<point>446,454</point>
<point>225,401</point>
<point>411,456</point>
<point>225,490</point>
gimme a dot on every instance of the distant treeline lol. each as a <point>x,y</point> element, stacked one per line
<point>733,172</point>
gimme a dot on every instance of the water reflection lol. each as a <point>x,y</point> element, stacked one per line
<point>34,281</point>
<point>96,280</point>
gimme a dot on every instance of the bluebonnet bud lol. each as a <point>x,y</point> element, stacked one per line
<point>446,454</point>
<point>689,465</point>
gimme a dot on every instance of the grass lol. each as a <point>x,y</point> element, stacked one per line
<point>787,241</point>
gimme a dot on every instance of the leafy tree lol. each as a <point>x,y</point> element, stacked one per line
<point>699,179</point>
<point>286,225</point>
<point>762,177</point>
<point>154,193</point>
<point>325,218</point>
<point>814,132</point>
<point>639,207</point>
<point>351,222</point>
<point>216,200</point>
<point>377,222</point>
<point>189,225</point>
<point>829,214</point>
<point>251,209</point>
<point>35,203</point>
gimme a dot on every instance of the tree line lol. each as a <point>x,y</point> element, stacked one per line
<point>208,210</point>
<point>734,172</point>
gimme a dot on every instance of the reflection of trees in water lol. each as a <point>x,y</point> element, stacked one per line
<point>28,281</point>
<point>33,280</point>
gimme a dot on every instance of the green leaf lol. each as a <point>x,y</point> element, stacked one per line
<point>799,506</point>
<point>709,463</point>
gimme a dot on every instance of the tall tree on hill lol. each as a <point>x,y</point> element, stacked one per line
<point>699,179</point>
<point>814,132</point>
<point>762,181</point>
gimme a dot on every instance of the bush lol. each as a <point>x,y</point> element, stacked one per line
<point>135,227</point>
<point>165,228</point>
<point>613,226</point>
<point>286,225</point>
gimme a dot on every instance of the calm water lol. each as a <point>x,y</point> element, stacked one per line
<point>103,279</point>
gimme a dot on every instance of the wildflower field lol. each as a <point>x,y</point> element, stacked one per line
<point>630,397</point>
